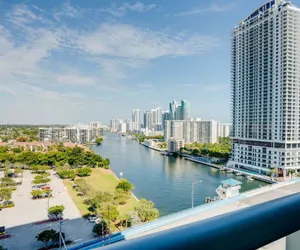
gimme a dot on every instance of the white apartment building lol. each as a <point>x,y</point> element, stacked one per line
<point>192,131</point>
<point>123,127</point>
<point>77,134</point>
<point>95,124</point>
<point>225,130</point>
<point>265,85</point>
<point>174,145</point>
<point>115,124</point>
<point>136,116</point>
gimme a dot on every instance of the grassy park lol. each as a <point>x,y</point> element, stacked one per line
<point>101,180</point>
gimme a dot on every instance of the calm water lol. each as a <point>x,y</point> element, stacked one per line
<point>165,180</point>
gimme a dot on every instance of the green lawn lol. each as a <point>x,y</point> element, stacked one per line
<point>100,180</point>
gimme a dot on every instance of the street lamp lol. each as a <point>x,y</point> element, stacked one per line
<point>193,190</point>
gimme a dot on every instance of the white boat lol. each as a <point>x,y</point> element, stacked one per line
<point>238,173</point>
<point>228,188</point>
<point>249,178</point>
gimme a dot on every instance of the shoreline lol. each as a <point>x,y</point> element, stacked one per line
<point>255,176</point>
<point>132,194</point>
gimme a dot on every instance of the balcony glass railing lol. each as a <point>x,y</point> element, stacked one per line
<point>247,229</point>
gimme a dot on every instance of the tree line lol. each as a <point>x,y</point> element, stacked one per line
<point>220,150</point>
<point>57,156</point>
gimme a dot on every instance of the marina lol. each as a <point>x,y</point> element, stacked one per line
<point>237,172</point>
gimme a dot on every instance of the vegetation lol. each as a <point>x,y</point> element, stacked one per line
<point>41,179</point>
<point>124,185</point>
<point>99,141</point>
<point>20,133</point>
<point>36,194</point>
<point>146,211</point>
<point>85,171</point>
<point>142,138</point>
<point>56,211</point>
<point>220,150</point>
<point>66,173</point>
<point>98,193</point>
<point>6,181</point>
<point>49,236</point>
<point>57,156</point>
<point>5,194</point>
<point>162,145</point>
<point>100,229</point>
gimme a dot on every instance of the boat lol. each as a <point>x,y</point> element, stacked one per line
<point>238,173</point>
<point>249,178</point>
<point>228,189</point>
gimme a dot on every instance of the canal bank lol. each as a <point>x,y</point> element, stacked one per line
<point>167,181</point>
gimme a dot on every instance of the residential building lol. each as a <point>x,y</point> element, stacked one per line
<point>185,111</point>
<point>192,131</point>
<point>115,124</point>
<point>165,117</point>
<point>95,124</point>
<point>174,145</point>
<point>148,132</point>
<point>156,118</point>
<point>265,86</point>
<point>136,116</point>
<point>178,114</point>
<point>147,119</point>
<point>225,130</point>
<point>122,127</point>
<point>172,108</point>
<point>81,134</point>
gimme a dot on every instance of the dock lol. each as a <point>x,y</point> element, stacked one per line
<point>233,170</point>
<point>156,149</point>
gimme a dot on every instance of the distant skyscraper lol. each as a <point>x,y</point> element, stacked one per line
<point>136,116</point>
<point>172,108</point>
<point>265,87</point>
<point>185,110</point>
<point>156,118</point>
<point>165,117</point>
<point>178,113</point>
<point>147,119</point>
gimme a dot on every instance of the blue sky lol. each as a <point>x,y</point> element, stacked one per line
<point>78,61</point>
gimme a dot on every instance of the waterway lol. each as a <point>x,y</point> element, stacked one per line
<point>167,181</point>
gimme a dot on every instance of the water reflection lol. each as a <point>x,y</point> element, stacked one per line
<point>165,180</point>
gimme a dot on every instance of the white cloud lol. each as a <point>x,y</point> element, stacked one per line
<point>77,80</point>
<point>67,10</point>
<point>126,41</point>
<point>211,8</point>
<point>140,7</point>
<point>120,10</point>
<point>21,15</point>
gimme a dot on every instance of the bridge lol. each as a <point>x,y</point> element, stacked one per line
<point>200,214</point>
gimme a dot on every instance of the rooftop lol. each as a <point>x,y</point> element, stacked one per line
<point>231,182</point>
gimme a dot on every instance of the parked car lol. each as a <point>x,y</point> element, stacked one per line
<point>46,188</point>
<point>93,218</point>
<point>52,216</point>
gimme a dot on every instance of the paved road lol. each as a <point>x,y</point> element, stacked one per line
<point>19,220</point>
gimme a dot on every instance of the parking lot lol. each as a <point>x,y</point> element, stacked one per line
<point>19,220</point>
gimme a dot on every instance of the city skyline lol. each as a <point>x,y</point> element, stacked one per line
<point>61,70</point>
